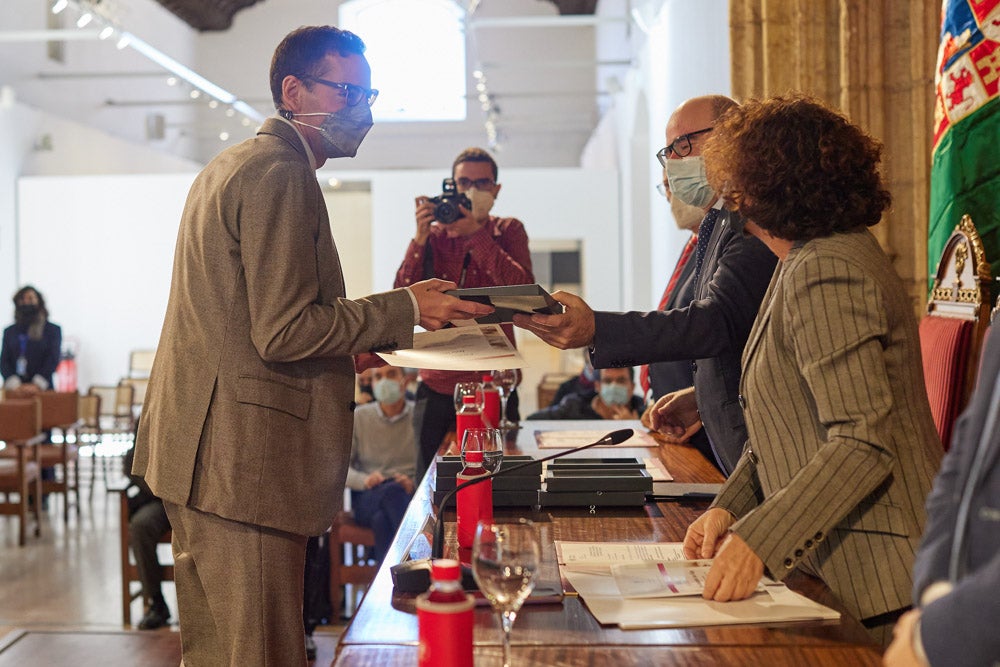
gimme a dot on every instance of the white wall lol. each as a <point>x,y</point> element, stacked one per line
<point>101,247</point>
<point>683,54</point>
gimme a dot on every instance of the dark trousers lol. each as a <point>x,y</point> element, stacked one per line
<point>146,526</point>
<point>434,417</point>
<point>381,508</point>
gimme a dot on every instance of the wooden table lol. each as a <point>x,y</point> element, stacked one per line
<point>384,630</point>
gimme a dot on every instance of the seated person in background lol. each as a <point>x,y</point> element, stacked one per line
<point>383,454</point>
<point>582,384</point>
<point>146,525</point>
<point>956,576</point>
<point>615,399</point>
<point>31,345</point>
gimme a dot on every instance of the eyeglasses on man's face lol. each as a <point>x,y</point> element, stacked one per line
<point>351,93</point>
<point>681,146</point>
<point>477,183</point>
<point>662,189</point>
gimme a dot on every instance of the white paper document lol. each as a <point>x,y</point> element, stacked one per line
<point>466,348</point>
<point>630,585</point>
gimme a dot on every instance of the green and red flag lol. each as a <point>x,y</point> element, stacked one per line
<point>965,170</point>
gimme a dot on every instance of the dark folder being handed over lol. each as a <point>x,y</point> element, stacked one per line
<point>507,300</point>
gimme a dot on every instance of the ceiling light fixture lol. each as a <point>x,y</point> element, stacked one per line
<point>88,13</point>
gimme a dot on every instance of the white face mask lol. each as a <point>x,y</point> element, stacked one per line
<point>686,216</point>
<point>482,203</point>
<point>688,181</point>
<point>342,131</point>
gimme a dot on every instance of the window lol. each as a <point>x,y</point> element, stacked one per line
<point>416,49</point>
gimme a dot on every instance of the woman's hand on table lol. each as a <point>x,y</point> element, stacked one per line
<point>706,533</point>
<point>735,573</point>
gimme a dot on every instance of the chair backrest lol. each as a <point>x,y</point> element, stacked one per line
<point>140,362</point>
<point>59,408</point>
<point>20,419</point>
<point>89,410</point>
<point>116,400</point>
<point>138,389</point>
<point>951,334</point>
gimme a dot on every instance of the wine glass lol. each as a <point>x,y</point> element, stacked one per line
<point>463,389</point>
<point>505,381</point>
<point>489,441</point>
<point>505,558</point>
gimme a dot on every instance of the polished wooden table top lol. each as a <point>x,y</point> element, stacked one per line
<point>384,630</point>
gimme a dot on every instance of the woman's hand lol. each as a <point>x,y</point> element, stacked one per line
<point>735,573</point>
<point>706,533</point>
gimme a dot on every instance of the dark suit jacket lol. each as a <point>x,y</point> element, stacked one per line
<point>248,414</point>
<point>960,628</point>
<point>712,330</point>
<point>842,445</point>
<point>43,355</point>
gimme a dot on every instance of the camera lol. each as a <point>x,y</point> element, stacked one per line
<point>446,209</point>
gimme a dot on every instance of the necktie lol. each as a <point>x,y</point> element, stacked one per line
<point>671,284</point>
<point>704,234</point>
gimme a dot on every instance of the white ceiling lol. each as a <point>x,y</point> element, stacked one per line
<point>546,73</point>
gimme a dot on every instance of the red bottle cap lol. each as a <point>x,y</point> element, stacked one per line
<point>487,377</point>
<point>468,400</point>
<point>445,569</point>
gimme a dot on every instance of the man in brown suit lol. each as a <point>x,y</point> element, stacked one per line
<point>246,429</point>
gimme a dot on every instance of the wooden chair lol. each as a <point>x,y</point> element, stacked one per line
<point>60,410</point>
<point>20,469</point>
<point>140,363</point>
<point>951,333</point>
<point>89,430</point>
<point>130,573</point>
<point>349,563</point>
<point>138,393</point>
<point>116,415</point>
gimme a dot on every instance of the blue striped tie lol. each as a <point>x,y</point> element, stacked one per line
<point>704,234</point>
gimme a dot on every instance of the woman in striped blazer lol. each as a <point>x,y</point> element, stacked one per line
<point>842,448</point>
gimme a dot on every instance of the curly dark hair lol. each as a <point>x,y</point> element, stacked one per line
<point>796,168</point>
<point>302,51</point>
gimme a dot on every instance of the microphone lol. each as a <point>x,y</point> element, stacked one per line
<point>414,576</point>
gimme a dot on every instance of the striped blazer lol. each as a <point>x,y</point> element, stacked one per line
<point>842,448</point>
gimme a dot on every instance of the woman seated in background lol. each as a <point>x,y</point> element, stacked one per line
<point>842,448</point>
<point>31,345</point>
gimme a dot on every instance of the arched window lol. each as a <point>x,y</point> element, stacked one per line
<point>416,49</point>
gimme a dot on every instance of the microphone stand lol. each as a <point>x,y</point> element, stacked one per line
<point>409,576</point>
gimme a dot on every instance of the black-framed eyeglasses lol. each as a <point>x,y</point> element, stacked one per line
<point>354,94</point>
<point>681,146</point>
<point>477,183</point>
<point>662,189</point>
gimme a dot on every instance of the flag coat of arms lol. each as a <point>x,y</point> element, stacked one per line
<point>965,168</point>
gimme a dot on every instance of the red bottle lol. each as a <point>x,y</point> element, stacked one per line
<point>469,416</point>
<point>444,616</point>
<point>490,397</point>
<point>474,504</point>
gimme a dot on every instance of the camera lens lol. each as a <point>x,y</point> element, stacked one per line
<point>446,213</point>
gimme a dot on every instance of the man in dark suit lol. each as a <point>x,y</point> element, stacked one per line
<point>246,427</point>
<point>957,572</point>
<point>732,274</point>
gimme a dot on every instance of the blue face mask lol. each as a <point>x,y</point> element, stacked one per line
<point>387,391</point>
<point>614,394</point>
<point>688,181</point>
